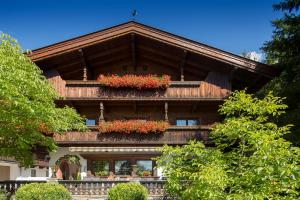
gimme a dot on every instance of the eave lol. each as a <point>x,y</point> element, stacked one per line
<point>154,34</point>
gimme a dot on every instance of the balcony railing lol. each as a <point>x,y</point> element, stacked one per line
<point>97,188</point>
<point>174,135</point>
<point>186,90</point>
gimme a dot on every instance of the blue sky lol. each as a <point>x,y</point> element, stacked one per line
<point>232,25</point>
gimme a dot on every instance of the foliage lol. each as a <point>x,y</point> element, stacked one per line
<point>102,173</point>
<point>3,195</point>
<point>251,160</point>
<point>74,159</point>
<point>43,191</point>
<point>133,126</point>
<point>27,106</point>
<point>144,173</point>
<point>283,52</point>
<point>128,191</point>
<point>136,81</point>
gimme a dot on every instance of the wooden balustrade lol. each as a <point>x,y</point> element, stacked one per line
<point>155,187</point>
<point>174,135</point>
<point>177,90</point>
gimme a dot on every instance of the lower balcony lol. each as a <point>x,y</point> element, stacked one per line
<point>174,135</point>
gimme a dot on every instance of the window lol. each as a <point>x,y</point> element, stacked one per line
<point>187,122</point>
<point>33,173</point>
<point>90,122</point>
<point>192,122</point>
<point>122,167</point>
<point>100,167</point>
<point>145,167</point>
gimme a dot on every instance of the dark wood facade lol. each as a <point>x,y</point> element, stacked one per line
<point>201,78</point>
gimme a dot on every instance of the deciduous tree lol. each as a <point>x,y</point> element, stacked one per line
<point>28,113</point>
<point>250,160</point>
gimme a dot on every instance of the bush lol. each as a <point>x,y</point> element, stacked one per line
<point>3,195</point>
<point>43,191</point>
<point>128,191</point>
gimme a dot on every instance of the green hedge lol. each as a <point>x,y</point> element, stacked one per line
<point>43,191</point>
<point>128,191</point>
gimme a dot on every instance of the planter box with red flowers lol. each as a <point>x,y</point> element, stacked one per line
<point>133,126</point>
<point>135,81</point>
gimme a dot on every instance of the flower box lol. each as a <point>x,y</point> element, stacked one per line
<point>135,81</point>
<point>133,126</point>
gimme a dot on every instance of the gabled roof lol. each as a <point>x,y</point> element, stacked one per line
<point>154,34</point>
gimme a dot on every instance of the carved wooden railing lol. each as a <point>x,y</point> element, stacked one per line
<point>155,187</point>
<point>178,89</point>
<point>174,135</point>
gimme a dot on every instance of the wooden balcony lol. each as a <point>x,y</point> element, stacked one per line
<point>178,90</point>
<point>174,135</point>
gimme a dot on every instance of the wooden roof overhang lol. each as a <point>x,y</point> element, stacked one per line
<point>135,43</point>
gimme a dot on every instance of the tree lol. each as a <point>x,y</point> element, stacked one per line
<point>28,113</point>
<point>283,52</point>
<point>250,160</point>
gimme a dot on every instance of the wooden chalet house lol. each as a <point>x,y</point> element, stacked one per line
<point>139,88</point>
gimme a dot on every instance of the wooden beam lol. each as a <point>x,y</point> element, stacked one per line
<point>84,66</point>
<point>108,52</point>
<point>182,65</point>
<point>133,51</point>
<point>191,71</point>
<point>164,62</point>
<point>112,59</point>
<point>158,52</point>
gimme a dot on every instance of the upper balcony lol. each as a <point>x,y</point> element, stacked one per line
<point>208,89</point>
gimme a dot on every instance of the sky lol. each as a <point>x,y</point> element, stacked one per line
<point>232,25</point>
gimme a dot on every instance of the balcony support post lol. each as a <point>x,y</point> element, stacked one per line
<point>166,112</point>
<point>101,117</point>
<point>84,65</point>
<point>183,60</point>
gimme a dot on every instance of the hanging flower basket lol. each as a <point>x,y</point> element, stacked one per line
<point>135,81</point>
<point>133,126</point>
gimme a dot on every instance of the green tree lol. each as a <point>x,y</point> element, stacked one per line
<point>283,51</point>
<point>250,160</point>
<point>27,106</point>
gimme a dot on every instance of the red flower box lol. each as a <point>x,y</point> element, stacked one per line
<point>133,126</point>
<point>136,81</point>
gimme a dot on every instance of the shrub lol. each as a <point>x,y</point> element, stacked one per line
<point>3,195</point>
<point>134,81</point>
<point>133,126</point>
<point>43,191</point>
<point>128,191</point>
